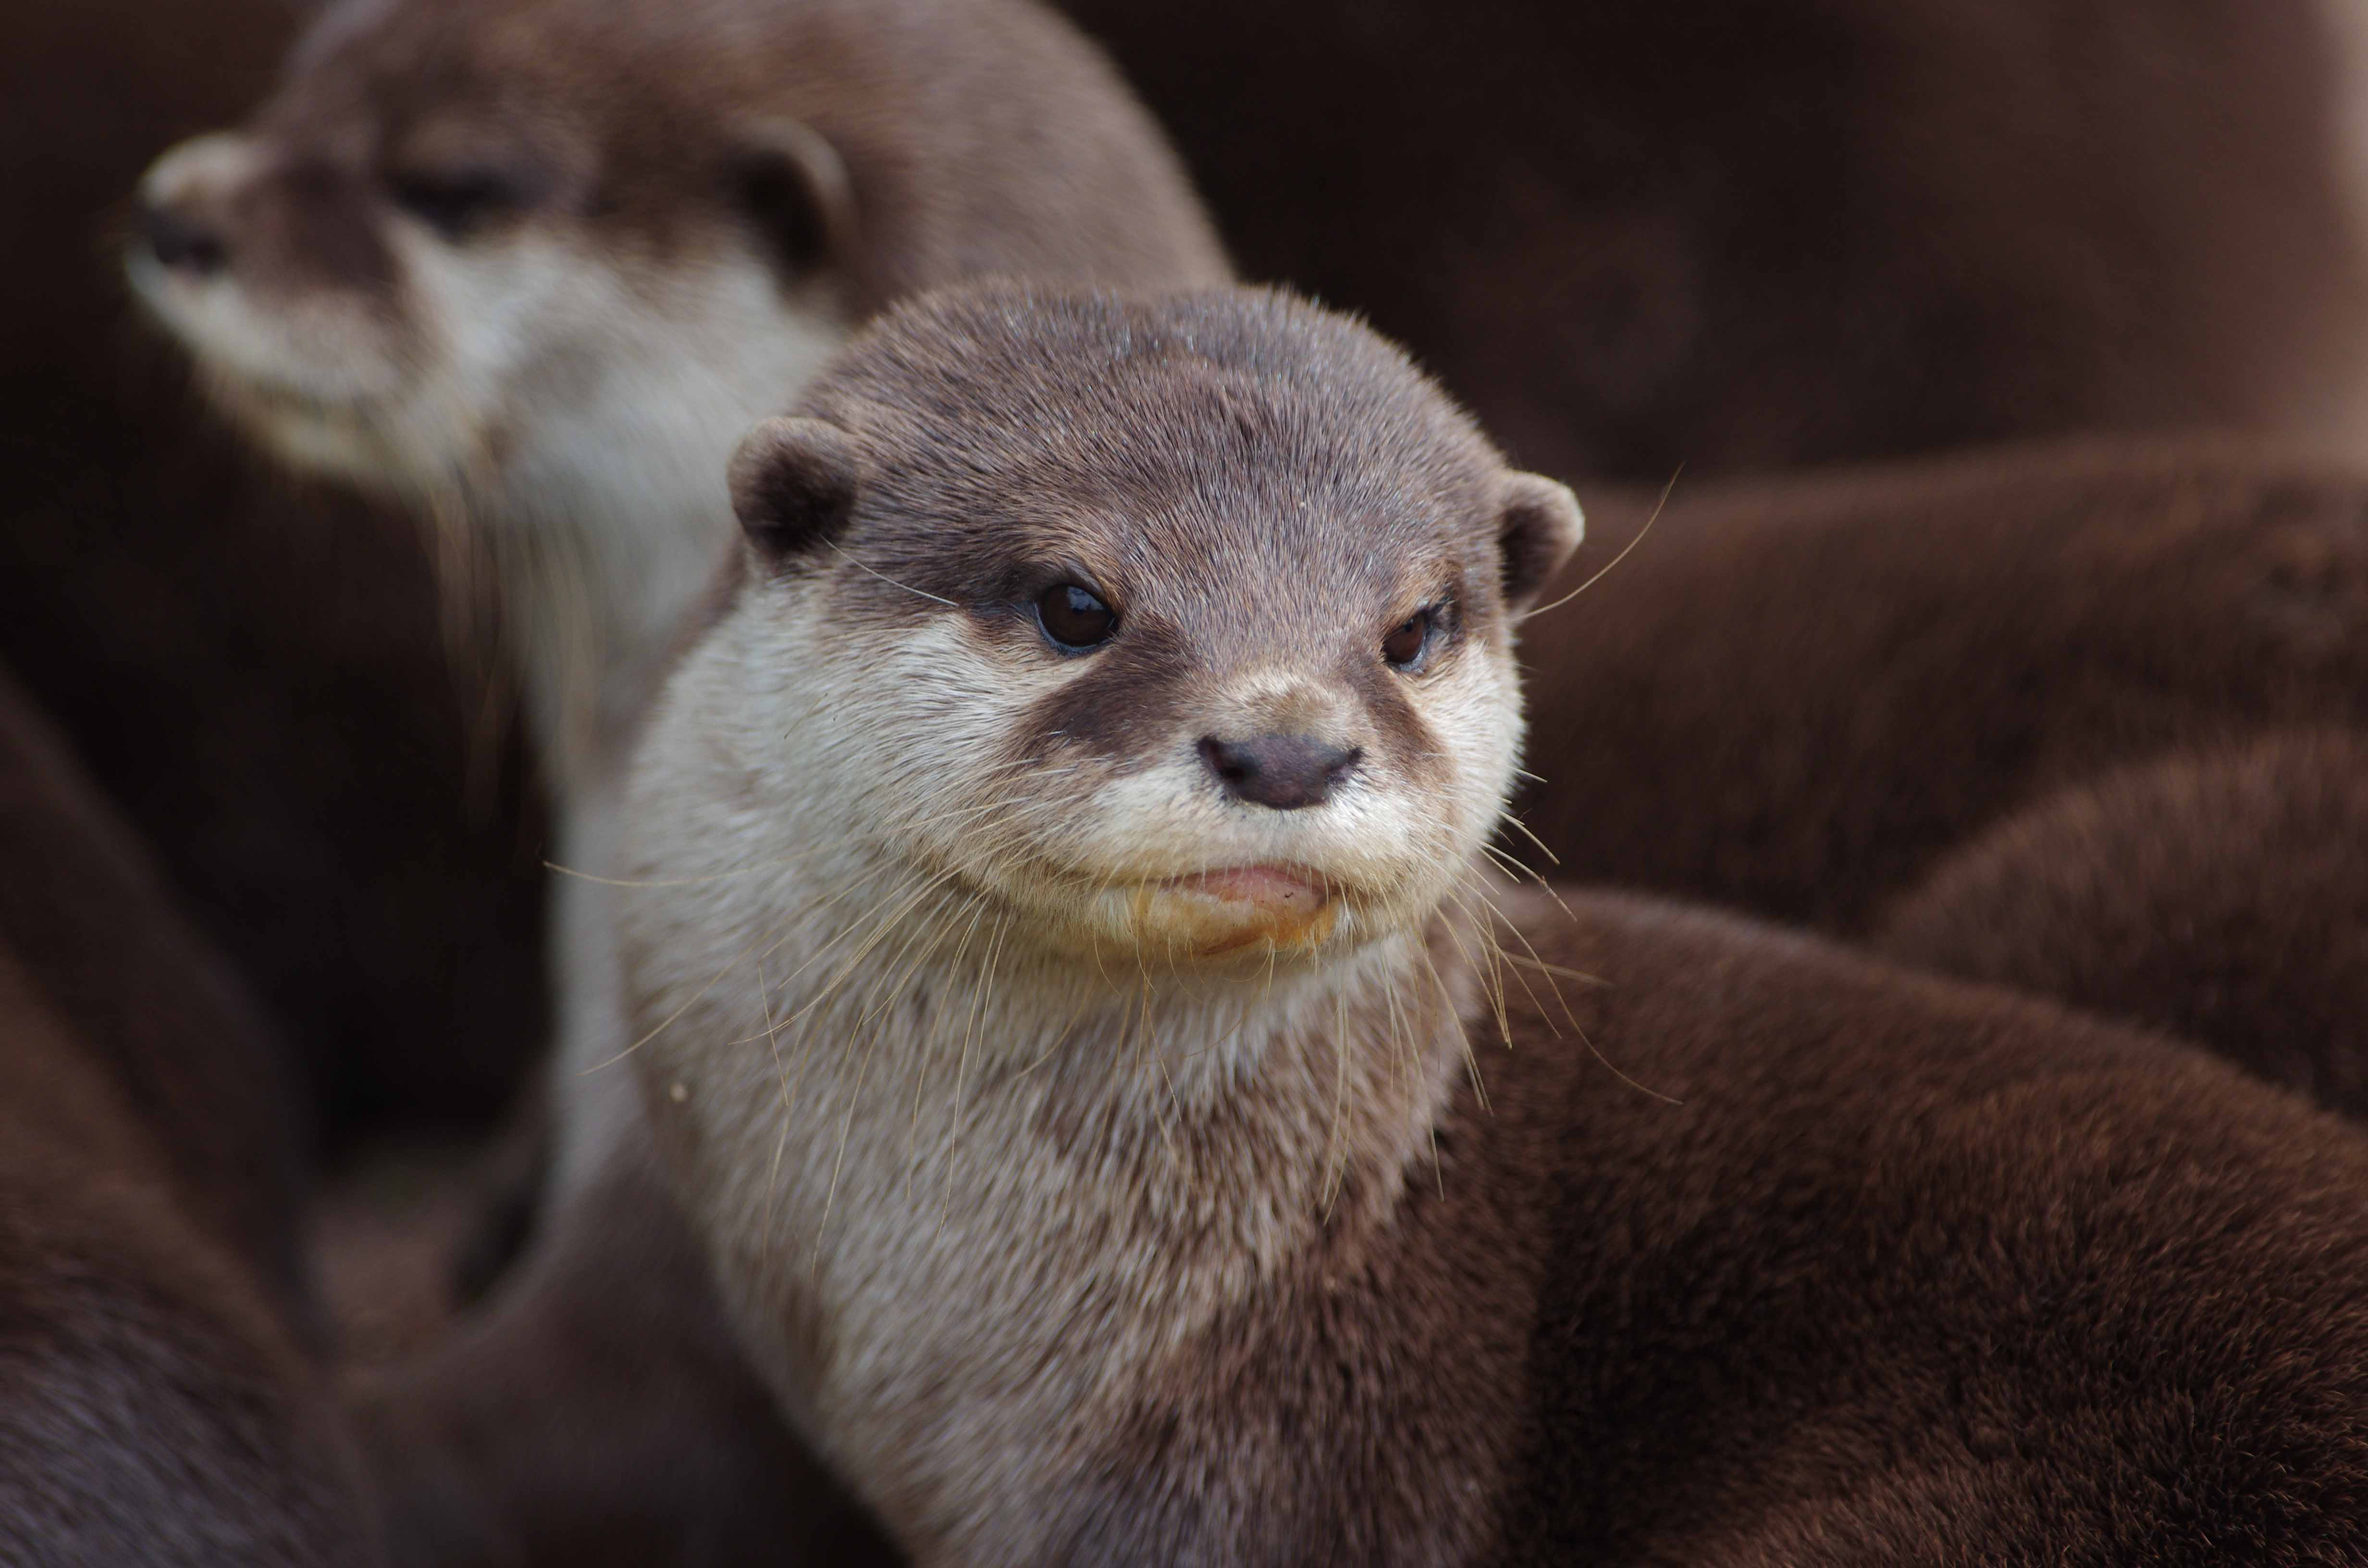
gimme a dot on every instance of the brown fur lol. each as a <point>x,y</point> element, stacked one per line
<point>977,135</point>
<point>1797,696</point>
<point>1753,1251</point>
<point>2222,895</point>
<point>255,675</point>
<point>1911,1273</point>
<point>644,141</point>
<point>157,1399</point>
<point>603,1418</point>
<point>1744,234</point>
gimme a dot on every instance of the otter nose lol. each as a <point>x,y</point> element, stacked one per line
<point>1286,772</point>
<point>179,241</point>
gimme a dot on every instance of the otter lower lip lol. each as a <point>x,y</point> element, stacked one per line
<point>1271,887</point>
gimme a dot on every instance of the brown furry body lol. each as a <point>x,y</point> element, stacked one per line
<point>1815,698</point>
<point>158,1399</point>
<point>1748,234</point>
<point>1912,1273</point>
<point>1099,1243</point>
<point>2220,893</point>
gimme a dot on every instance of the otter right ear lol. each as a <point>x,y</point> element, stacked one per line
<point>1539,528</point>
<point>793,485</point>
<point>794,187</point>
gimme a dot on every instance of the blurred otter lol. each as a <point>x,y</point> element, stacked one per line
<point>2220,893</point>
<point>160,1401</point>
<point>1748,234</point>
<point>254,670</point>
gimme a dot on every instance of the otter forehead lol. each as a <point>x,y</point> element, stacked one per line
<point>1239,465</point>
<point>983,135</point>
<point>619,114</point>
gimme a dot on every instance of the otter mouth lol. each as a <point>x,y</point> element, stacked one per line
<point>1224,911</point>
<point>1281,889</point>
<point>284,400</point>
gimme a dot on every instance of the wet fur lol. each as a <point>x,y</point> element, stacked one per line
<point>1511,1228</point>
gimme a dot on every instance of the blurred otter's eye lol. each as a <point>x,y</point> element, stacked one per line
<point>1407,642</point>
<point>1074,617</point>
<point>454,202</point>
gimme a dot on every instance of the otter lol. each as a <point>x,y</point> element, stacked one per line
<point>1750,236</point>
<point>1823,697</point>
<point>533,267</point>
<point>1072,1001</point>
<point>287,740</point>
<point>2220,893</point>
<point>160,1396</point>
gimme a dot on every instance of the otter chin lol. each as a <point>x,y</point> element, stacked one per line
<point>1216,913</point>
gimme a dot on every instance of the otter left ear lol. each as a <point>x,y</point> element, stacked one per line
<point>794,185</point>
<point>793,485</point>
<point>1540,526</point>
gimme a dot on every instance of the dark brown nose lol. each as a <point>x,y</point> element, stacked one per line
<point>180,242</point>
<point>1286,772</point>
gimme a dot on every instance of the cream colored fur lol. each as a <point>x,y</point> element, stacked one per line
<point>566,410</point>
<point>974,1138</point>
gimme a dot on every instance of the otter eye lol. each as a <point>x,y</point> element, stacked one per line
<point>1075,618</point>
<point>1404,647</point>
<point>454,202</point>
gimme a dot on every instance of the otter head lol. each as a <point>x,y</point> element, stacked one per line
<point>469,243</point>
<point>1179,633</point>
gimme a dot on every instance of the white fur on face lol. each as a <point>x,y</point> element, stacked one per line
<point>858,763</point>
<point>305,374</point>
<point>963,1188</point>
<point>1086,854</point>
<point>530,347</point>
<point>581,401</point>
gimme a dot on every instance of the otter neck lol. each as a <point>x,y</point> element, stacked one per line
<point>594,586</point>
<point>925,1157</point>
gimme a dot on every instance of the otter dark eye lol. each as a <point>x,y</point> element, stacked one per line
<point>455,202</point>
<point>1407,642</point>
<point>1074,618</point>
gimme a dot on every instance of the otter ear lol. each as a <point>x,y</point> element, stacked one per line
<point>1538,528</point>
<point>794,187</point>
<point>793,485</point>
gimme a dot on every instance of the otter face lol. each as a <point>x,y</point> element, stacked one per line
<point>1180,632</point>
<point>498,246</point>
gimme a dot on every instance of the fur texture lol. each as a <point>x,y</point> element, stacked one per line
<point>1796,695</point>
<point>158,1401</point>
<point>1071,1236</point>
<point>2032,716</point>
<point>534,266</point>
<point>2219,894</point>
<point>1744,234</point>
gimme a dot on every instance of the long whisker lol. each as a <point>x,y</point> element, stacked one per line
<point>1616,559</point>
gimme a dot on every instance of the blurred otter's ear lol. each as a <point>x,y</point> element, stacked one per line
<point>794,187</point>
<point>793,485</point>
<point>1540,526</point>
